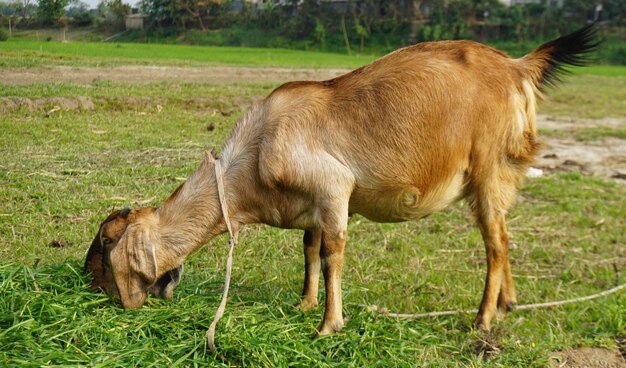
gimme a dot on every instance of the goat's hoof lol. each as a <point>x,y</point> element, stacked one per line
<point>481,324</point>
<point>504,308</point>
<point>328,328</point>
<point>511,306</point>
<point>307,304</point>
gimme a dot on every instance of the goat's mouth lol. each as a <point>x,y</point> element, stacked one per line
<point>164,287</point>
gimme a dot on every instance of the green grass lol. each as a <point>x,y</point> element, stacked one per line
<point>61,175</point>
<point>587,134</point>
<point>31,53</point>
<point>587,96</point>
<point>602,70</point>
<point>26,53</point>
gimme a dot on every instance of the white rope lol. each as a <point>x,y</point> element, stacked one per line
<point>385,311</point>
<point>229,263</point>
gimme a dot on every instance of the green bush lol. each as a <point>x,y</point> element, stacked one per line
<point>612,51</point>
<point>4,35</point>
<point>237,36</point>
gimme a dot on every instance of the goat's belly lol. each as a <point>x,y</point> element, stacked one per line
<point>404,202</point>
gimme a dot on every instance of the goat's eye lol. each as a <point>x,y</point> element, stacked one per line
<point>106,241</point>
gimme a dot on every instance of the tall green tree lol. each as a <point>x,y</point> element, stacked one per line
<point>163,13</point>
<point>616,11</point>
<point>198,11</point>
<point>50,11</point>
<point>111,14</point>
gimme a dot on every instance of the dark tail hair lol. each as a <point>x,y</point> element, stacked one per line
<point>573,49</point>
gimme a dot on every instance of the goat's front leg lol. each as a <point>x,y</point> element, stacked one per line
<point>334,236</point>
<point>312,241</point>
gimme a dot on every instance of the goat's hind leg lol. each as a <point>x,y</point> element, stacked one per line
<point>506,299</point>
<point>499,293</point>
<point>312,264</point>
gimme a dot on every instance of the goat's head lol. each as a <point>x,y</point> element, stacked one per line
<point>122,259</point>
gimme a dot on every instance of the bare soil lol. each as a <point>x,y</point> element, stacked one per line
<point>604,157</point>
<point>586,357</point>
<point>150,74</point>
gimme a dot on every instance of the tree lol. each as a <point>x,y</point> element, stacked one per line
<point>361,32</point>
<point>198,10</point>
<point>616,10</point>
<point>80,14</point>
<point>111,15</point>
<point>26,4</point>
<point>50,11</point>
<point>162,13</point>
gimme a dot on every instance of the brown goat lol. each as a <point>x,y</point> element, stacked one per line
<point>395,140</point>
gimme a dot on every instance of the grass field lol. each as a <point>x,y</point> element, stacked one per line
<point>60,175</point>
<point>589,96</point>
<point>28,53</point>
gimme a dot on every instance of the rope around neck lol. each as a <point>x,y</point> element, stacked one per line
<point>229,263</point>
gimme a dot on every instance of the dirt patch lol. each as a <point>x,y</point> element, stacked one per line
<point>565,123</point>
<point>488,345</point>
<point>8,104</point>
<point>226,106</point>
<point>586,357</point>
<point>605,157</point>
<point>150,74</point>
<point>621,342</point>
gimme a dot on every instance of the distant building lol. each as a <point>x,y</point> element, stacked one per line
<point>134,21</point>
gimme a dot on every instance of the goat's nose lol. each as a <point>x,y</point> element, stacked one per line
<point>135,300</point>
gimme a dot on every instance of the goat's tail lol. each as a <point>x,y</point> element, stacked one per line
<point>544,67</point>
<point>548,62</point>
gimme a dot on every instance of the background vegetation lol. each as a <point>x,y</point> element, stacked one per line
<point>351,26</point>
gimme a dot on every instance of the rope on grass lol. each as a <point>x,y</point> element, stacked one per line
<point>229,263</point>
<point>385,311</point>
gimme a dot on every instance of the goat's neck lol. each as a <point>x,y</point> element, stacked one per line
<point>189,217</point>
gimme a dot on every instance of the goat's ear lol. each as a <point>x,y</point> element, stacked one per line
<point>125,211</point>
<point>142,255</point>
<point>102,278</point>
<point>134,265</point>
<point>95,260</point>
